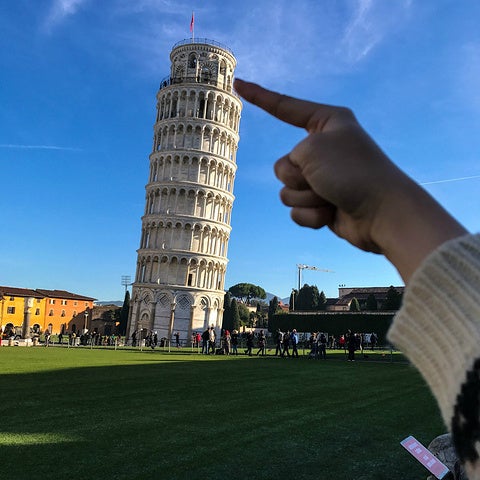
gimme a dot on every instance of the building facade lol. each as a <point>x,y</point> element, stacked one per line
<point>30,311</point>
<point>182,259</point>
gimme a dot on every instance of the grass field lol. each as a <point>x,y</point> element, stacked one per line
<point>86,414</point>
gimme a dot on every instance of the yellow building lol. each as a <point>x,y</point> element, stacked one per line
<point>57,311</point>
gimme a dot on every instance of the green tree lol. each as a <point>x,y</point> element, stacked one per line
<point>247,291</point>
<point>393,299</point>
<point>308,298</point>
<point>244,313</point>
<point>354,305</point>
<point>227,322</point>
<point>272,307</point>
<point>322,301</point>
<point>371,303</point>
<point>123,319</point>
<point>235,315</point>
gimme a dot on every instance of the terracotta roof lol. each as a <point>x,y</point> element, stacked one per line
<point>63,294</point>
<point>375,290</point>
<point>19,292</point>
<point>380,294</point>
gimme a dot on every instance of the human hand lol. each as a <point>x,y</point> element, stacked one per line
<point>338,177</point>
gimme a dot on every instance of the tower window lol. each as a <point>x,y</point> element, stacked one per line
<point>192,61</point>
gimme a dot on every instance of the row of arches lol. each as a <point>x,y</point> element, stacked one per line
<point>199,137</point>
<point>204,171</point>
<point>172,270</point>
<point>180,201</point>
<point>198,238</point>
<point>165,311</point>
<point>167,298</point>
<point>193,103</point>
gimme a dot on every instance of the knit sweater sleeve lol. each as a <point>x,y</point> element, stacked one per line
<point>438,329</point>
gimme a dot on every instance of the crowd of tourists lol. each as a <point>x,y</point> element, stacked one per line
<point>287,343</point>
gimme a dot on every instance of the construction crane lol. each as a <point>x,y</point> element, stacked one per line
<point>302,267</point>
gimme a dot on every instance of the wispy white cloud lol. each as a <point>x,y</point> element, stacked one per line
<point>467,76</point>
<point>370,22</point>
<point>60,10</point>
<point>38,147</point>
<point>448,180</point>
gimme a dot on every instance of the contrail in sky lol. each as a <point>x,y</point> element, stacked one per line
<point>38,147</point>
<point>450,180</point>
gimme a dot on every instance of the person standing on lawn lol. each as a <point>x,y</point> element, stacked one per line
<point>211,340</point>
<point>278,350</point>
<point>322,345</point>
<point>261,343</point>
<point>234,342</point>
<point>351,342</point>
<point>294,340</point>
<point>205,338</point>
<point>286,344</point>
<point>248,351</point>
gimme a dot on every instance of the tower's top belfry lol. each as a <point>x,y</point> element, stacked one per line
<point>202,61</point>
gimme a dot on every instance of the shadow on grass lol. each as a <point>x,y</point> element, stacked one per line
<point>180,418</point>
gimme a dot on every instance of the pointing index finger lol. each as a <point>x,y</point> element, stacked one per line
<point>291,110</point>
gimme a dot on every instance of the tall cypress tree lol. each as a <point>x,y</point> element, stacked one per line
<point>122,327</point>
<point>393,300</point>
<point>227,322</point>
<point>272,307</point>
<point>235,315</point>
<point>354,305</point>
<point>371,304</point>
<point>322,301</point>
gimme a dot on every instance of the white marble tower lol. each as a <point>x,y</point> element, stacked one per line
<point>182,259</point>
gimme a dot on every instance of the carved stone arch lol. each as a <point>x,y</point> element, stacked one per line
<point>164,297</point>
<point>204,301</point>
<point>147,297</point>
<point>184,301</point>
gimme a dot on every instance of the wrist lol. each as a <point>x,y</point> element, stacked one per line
<point>413,226</point>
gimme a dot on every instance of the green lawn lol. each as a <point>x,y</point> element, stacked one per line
<point>85,414</point>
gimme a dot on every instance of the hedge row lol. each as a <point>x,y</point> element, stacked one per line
<point>334,323</point>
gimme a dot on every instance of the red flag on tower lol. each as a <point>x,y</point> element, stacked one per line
<point>192,22</point>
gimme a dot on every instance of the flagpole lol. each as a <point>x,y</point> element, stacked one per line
<point>192,27</point>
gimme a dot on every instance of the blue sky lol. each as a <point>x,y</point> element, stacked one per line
<point>77,106</point>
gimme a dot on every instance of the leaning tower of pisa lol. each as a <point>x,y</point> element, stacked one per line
<point>182,259</point>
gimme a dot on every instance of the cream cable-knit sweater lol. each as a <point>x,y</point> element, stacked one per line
<point>438,329</point>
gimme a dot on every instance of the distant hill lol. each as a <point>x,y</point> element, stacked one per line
<point>117,303</point>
